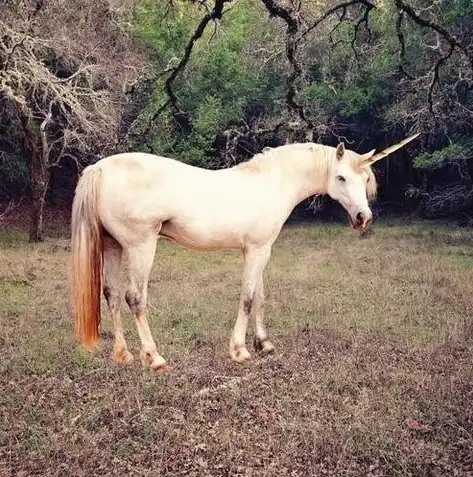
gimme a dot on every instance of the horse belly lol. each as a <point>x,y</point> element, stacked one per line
<point>201,235</point>
<point>223,215</point>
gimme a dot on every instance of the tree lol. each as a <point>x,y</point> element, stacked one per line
<point>355,70</point>
<point>63,89</point>
<point>226,78</point>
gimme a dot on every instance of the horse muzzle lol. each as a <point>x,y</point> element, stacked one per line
<point>361,220</point>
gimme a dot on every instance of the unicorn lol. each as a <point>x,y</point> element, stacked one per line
<point>125,202</point>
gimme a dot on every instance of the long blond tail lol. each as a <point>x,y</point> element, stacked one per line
<point>87,258</point>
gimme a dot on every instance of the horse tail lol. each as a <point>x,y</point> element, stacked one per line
<point>87,258</point>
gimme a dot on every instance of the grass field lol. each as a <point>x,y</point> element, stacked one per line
<point>372,374</point>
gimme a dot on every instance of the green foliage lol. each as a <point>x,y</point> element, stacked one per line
<point>461,150</point>
<point>207,120</point>
<point>349,101</point>
<point>208,116</point>
<point>162,31</point>
<point>457,11</point>
<point>221,84</point>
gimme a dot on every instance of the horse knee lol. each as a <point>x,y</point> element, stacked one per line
<point>134,300</point>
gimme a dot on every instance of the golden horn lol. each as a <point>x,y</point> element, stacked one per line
<point>388,150</point>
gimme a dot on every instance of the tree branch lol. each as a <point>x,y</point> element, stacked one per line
<point>435,76</point>
<point>12,51</point>
<point>402,44</point>
<point>364,19</point>
<point>292,42</point>
<point>214,14</point>
<point>453,43</point>
<point>43,133</point>
<point>340,6</point>
<point>404,6</point>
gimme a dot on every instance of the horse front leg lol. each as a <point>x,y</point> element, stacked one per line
<point>255,262</point>
<point>261,342</point>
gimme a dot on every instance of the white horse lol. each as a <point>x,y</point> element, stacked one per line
<point>123,203</point>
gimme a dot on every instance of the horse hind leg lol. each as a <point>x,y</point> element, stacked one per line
<point>140,261</point>
<point>112,256</point>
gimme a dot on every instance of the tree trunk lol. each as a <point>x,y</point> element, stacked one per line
<point>37,208</point>
<point>39,180</point>
<point>35,143</point>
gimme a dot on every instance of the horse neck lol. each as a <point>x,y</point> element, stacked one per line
<point>307,168</point>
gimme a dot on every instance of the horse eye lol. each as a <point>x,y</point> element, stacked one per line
<point>341,179</point>
<point>367,180</point>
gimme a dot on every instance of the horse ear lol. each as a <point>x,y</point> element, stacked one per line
<point>340,150</point>
<point>367,155</point>
<point>387,151</point>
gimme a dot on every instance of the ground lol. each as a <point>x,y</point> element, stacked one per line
<point>372,374</point>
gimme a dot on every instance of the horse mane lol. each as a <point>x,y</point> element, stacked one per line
<point>372,186</point>
<point>321,153</point>
<point>260,160</point>
<point>254,164</point>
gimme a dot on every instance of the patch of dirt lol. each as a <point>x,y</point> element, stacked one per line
<point>326,407</point>
<point>372,375</point>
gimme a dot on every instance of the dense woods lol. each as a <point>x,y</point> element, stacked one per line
<point>212,82</point>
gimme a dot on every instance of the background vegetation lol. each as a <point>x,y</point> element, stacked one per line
<point>212,82</point>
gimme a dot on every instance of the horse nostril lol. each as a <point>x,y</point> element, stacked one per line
<point>363,220</point>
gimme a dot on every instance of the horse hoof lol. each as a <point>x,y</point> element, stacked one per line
<point>267,348</point>
<point>266,351</point>
<point>161,368</point>
<point>153,361</point>
<point>241,355</point>
<point>263,347</point>
<point>122,356</point>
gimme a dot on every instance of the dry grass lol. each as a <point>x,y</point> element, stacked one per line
<point>372,374</point>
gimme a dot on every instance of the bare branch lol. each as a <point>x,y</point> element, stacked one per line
<point>74,75</point>
<point>454,42</point>
<point>363,20</point>
<point>43,134</point>
<point>214,14</point>
<point>12,51</point>
<point>71,110</point>
<point>402,44</point>
<point>341,19</point>
<point>435,75</point>
<point>340,6</point>
<point>292,41</point>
